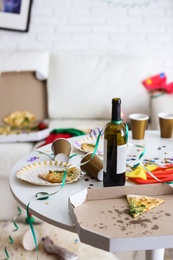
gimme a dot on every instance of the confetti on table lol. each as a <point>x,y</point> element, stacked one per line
<point>32,159</point>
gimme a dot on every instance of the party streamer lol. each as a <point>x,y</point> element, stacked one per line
<point>41,196</point>
<point>139,146</point>
<point>140,163</point>
<point>11,241</point>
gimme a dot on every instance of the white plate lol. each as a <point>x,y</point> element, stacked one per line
<point>30,172</point>
<point>89,140</point>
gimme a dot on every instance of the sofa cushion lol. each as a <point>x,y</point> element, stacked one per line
<point>83,87</point>
<point>82,124</point>
<point>25,61</point>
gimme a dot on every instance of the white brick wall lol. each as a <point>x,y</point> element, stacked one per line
<point>97,27</point>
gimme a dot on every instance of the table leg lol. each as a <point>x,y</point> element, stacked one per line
<point>157,254</point>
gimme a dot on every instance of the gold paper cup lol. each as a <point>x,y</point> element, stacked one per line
<point>93,167</point>
<point>138,125</point>
<point>61,149</point>
<point>166,124</point>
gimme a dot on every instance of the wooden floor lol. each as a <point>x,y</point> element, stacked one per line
<point>61,238</point>
<point>168,254</point>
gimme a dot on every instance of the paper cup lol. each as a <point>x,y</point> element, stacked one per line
<point>93,167</point>
<point>166,124</point>
<point>138,125</point>
<point>28,241</point>
<point>61,149</point>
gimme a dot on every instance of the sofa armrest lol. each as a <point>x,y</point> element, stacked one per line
<point>160,102</point>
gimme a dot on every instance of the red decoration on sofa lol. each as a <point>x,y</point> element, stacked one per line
<point>158,83</point>
<point>62,133</point>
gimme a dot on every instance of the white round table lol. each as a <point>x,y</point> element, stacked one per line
<point>55,209</point>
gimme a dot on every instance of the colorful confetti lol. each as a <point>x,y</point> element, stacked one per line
<point>32,159</point>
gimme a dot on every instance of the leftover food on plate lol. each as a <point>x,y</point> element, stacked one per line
<point>48,173</point>
<point>88,144</point>
<point>138,204</point>
<point>56,176</point>
<point>87,147</point>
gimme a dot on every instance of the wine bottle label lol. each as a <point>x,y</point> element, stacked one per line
<point>114,157</point>
<point>121,158</point>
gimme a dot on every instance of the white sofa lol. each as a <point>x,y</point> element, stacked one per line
<point>72,92</point>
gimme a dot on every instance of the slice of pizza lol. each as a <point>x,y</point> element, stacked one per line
<point>52,176</point>
<point>138,204</point>
<point>57,175</point>
<point>19,119</point>
<point>87,147</point>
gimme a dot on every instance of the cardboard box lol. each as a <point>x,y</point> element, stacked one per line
<point>25,137</point>
<point>101,218</point>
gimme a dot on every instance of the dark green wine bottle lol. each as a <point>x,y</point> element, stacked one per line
<point>114,162</point>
